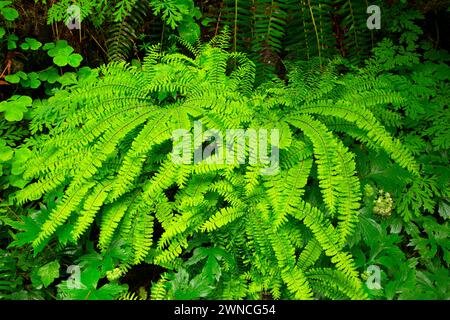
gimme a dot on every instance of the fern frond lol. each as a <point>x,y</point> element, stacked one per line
<point>366,121</point>
<point>62,212</point>
<point>325,151</point>
<point>129,15</point>
<point>335,280</point>
<point>91,206</point>
<point>309,255</point>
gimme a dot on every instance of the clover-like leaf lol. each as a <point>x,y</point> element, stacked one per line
<point>61,47</point>
<point>61,60</point>
<point>9,14</point>
<point>12,41</point>
<point>12,78</point>
<point>30,43</point>
<point>84,72</point>
<point>32,81</point>
<point>6,152</point>
<point>16,78</point>
<point>75,60</point>
<point>4,4</point>
<point>62,54</point>
<point>18,181</point>
<point>15,107</point>
<point>48,46</point>
<point>50,75</point>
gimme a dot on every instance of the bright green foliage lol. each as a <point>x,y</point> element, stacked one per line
<point>92,267</point>
<point>62,54</point>
<point>423,114</point>
<point>30,44</point>
<point>8,13</point>
<point>112,155</point>
<point>49,272</point>
<point>97,11</point>
<point>361,184</point>
<point>210,265</point>
<point>27,276</point>
<point>177,14</point>
<point>15,107</point>
<point>421,272</point>
<point>123,18</point>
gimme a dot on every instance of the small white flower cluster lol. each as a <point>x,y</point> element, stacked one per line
<point>383,204</point>
<point>114,274</point>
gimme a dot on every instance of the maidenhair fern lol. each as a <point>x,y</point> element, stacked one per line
<point>112,155</point>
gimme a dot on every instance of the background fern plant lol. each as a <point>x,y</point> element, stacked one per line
<point>272,30</point>
<point>111,153</point>
<point>124,20</point>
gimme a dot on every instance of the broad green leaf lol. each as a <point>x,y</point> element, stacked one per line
<point>75,60</point>
<point>48,46</point>
<point>21,156</point>
<point>32,81</point>
<point>444,210</point>
<point>15,107</point>
<point>50,75</point>
<point>12,78</point>
<point>68,78</point>
<point>30,43</point>
<point>10,14</point>
<point>61,60</point>
<point>12,39</point>
<point>49,272</point>
<point>108,292</point>
<point>90,277</point>
<point>189,30</point>
<point>4,4</point>
<point>212,269</point>
<point>6,152</point>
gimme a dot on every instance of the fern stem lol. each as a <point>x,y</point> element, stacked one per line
<point>315,30</point>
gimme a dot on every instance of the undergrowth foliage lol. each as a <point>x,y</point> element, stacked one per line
<point>110,151</point>
<point>270,30</point>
